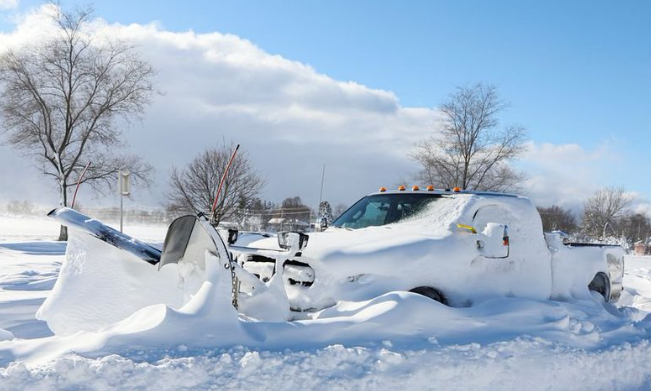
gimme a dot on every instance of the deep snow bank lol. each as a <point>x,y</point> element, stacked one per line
<point>637,286</point>
<point>527,363</point>
<point>405,319</point>
<point>394,341</point>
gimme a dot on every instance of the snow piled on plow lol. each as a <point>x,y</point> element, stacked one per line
<point>99,285</point>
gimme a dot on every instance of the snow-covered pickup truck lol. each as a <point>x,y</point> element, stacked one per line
<point>455,247</point>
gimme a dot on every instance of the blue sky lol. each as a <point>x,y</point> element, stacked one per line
<point>578,70</point>
<point>574,72</point>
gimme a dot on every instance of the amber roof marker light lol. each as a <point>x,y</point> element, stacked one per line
<point>383,189</point>
<point>401,188</point>
<point>415,188</point>
<point>430,188</point>
<point>456,189</point>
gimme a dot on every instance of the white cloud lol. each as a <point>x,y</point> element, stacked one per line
<point>567,174</point>
<point>8,4</point>
<point>563,174</point>
<point>289,117</point>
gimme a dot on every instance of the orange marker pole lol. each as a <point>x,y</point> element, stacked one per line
<point>74,197</point>
<point>221,182</point>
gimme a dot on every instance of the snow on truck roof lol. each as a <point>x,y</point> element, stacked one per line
<point>452,206</point>
<point>416,189</point>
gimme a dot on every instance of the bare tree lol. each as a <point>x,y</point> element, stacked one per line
<point>62,97</point>
<point>471,152</point>
<point>193,188</point>
<point>601,212</point>
<point>555,218</point>
<point>325,210</point>
<point>635,227</point>
<point>21,208</point>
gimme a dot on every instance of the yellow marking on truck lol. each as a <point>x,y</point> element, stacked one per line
<point>467,227</point>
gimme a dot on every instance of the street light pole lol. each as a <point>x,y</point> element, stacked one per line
<point>321,192</point>
<point>124,187</point>
<point>121,211</point>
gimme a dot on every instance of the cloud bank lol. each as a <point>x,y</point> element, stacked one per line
<point>290,118</point>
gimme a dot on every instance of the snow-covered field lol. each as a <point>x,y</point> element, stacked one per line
<point>398,340</point>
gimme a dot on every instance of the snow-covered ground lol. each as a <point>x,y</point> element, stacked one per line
<point>398,340</point>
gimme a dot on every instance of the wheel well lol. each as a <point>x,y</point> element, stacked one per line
<point>430,292</point>
<point>601,284</point>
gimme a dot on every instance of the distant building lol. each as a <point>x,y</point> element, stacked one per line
<point>278,224</point>
<point>643,247</point>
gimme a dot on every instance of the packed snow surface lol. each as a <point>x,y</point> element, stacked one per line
<point>157,340</point>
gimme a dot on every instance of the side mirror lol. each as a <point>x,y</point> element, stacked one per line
<point>494,241</point>
<point>232,236</point>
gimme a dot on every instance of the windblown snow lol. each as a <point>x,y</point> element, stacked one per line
<point>129,337</point>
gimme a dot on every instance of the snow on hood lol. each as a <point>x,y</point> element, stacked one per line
<point>435,222</point>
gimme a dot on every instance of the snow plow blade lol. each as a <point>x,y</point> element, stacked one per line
<point>188,240</point>
<point>73,219</point>
<point>188,237</point>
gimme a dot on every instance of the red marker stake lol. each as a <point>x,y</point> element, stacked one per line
<point>221,182</point>
<point>74,197</point>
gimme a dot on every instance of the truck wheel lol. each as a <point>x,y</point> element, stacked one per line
<point>601,284</point>
<point>430,292</point>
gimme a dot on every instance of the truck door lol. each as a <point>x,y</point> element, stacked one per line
<point>492,223</point>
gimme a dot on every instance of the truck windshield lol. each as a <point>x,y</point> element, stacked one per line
<point>382,209</point>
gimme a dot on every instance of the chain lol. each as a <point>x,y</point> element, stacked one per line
<point>234,285</point>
